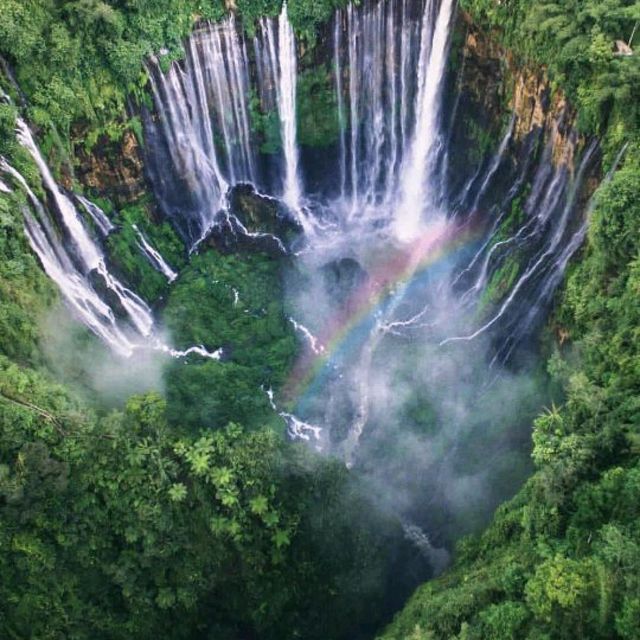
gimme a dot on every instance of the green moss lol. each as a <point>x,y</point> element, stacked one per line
<point>25,292</point>
<point>500,282</point>
<point>482,141</point>
<point>265,126</point>
<point>318,123</point>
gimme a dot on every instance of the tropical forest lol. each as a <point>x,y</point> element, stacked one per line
<point>320,319</point>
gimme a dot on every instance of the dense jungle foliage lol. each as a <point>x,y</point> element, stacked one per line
<point>183,519</point>
<point>80,62</point>
<point>561,560</point>
<point>577,42</point>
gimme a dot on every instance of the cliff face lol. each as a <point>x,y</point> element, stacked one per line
<point>113,170</point>
<point>486,87</point>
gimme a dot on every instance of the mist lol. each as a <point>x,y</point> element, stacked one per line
<point>91,366</point>
<point>438,434</point>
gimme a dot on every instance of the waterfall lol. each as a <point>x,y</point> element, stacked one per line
<point>388,63</point>
<point>154,256</point>
<point>204,138</point>
<point>191,155</point>
<point>275,52</point>
<point>395,63</point>
<point>337,69</point>
<point>97,215</point>
<point>59,266</point>
<point>88,255</point>
<point>380,43</point>
<point>547,231</point>
<point>420,159</point>
<point>218,60</point>
<point>495,163</point>
<point>287,108</point>
<point>74,261</point>
<point>201,142</point>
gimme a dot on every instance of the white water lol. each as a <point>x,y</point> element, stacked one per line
<point>184,116</point>
<point>83,245</point>
<point>154,256</point>
<point>84,301</point>
<point>548,262</point>
<point>313,342</point>
<point>88,255</point>
<point>296,429</point>
<point>99,217</point>
<point>496,162</point>
<point>218,68</point>
<point>292,194</point>
<point>415,188</point>
<point>376,52</point>
<point>277,75</point>
<point>176,353</point>
<point>70,260</point>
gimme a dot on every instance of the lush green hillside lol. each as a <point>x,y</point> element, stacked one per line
<point>183,513</point>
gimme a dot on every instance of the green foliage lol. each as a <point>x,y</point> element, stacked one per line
<point>318,124</point>
<point>234,303</point>
<point>317,113</point>
<point>501,282</point>
<point>266,126</point>
<point>25,292</point>
<point>575,39</point>
<point>116,526</point>
<point>79,61</point>
<point>481,140</point>
<point>130,262</point>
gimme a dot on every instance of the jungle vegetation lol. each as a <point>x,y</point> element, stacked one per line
<point>167,517</point>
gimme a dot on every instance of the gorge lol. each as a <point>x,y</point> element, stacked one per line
<point>329,253</point>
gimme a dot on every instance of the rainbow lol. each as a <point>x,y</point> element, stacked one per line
<point>438,246</point>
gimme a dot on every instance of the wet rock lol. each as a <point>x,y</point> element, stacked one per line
<point>342,278</point>
<point>113,169</point>
<point>255,223</point>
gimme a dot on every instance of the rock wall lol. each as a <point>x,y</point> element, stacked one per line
<point>113,170</point>
<point>486,85</point>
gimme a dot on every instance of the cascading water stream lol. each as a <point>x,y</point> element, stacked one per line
<point>154,257</point>
<point>414,195</point>
<point>90,308</point>
<point>86,252</point>
<point>72,258</point>
<point>550,261</point>
<point>292,194</point>
<point>97,215</point>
